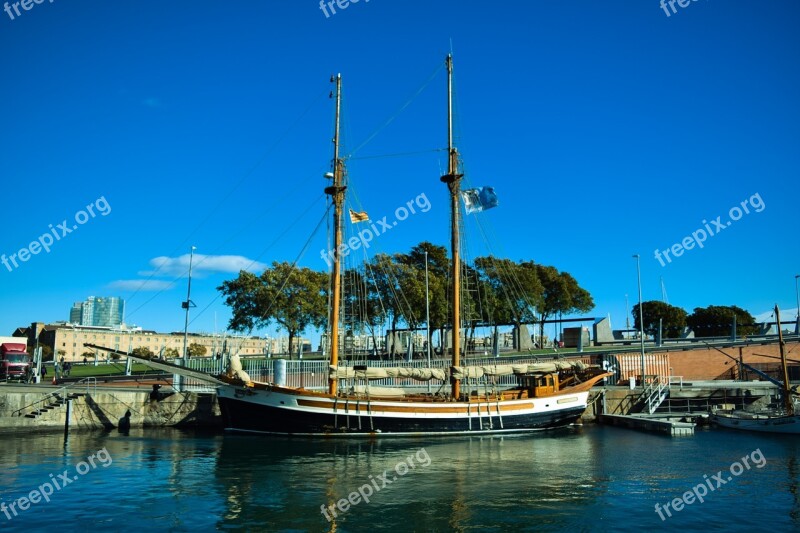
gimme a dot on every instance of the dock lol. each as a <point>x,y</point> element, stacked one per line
<point>655,425</point>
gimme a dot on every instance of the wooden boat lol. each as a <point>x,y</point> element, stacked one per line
<point>547,396</point>
<point>782,420</point>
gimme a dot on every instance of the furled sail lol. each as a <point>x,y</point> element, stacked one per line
<point>479,371</point>
<point>420,374</point>
<point>458,372</point>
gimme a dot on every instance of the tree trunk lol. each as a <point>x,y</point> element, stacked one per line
<point>470,338</point>
<point>374,340</point>
<point>393,350</point>
<point>291,338</point>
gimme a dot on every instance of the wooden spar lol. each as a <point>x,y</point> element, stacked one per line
<point>336,191</point>
<point>453,181</point>
<point>787,392</point>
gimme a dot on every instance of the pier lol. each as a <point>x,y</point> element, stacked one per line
<point>670,427</point>
<point>675,408</point>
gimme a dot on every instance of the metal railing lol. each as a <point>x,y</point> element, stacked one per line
<point>58,396</point>
<point>654,394</point>
<point>313,374</point>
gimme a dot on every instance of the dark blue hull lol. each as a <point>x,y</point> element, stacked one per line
<point>253,417</point>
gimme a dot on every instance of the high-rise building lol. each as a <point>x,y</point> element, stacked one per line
<point>98,311</point>
<point>76,313</point>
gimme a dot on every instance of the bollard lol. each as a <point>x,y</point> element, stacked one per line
<point>280,372</point>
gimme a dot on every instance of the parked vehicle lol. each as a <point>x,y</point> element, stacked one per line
<point>15,363</point>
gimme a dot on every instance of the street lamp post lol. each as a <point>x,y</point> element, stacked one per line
<point>627,316</point>
<point>188,304</point>
<point>427,317</point>
<point>797,294</point>
<point>641,319</point>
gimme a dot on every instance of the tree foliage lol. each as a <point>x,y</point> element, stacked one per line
<point>170,353</point>
<point>390,290</point>
<point>717,321</point>
<point>673,319</point>
<point>196,350</point>
<point>295,298</point>
<point>412,283</point>
<point>47,352</point>
<point>511,291</point>
<point>508,292</point>
<point>141,351</point>
<point>561,294</point>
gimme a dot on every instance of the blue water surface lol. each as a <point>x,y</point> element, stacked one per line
<point>592,478</point>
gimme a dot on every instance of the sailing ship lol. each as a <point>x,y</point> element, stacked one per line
<point>548,395</point>
<point>784,419</point>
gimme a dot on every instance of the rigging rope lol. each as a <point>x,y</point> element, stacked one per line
<point>288,277</point>
<point>213,211</point>
<point>399,111</point>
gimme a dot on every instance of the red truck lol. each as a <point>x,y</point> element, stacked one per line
<point>15,363</point>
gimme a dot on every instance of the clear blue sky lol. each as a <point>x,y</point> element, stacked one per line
<point>606,128</point>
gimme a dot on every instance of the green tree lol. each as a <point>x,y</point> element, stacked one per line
<point>412,284</point>
<point>561,294</point>
<point>196,350</point>
<point>47,353</point>
<point>509,292</point>
<point>717,321</point>
<point>385,273</point>
<point>170,353</point>
<point>363,310</point>
<point>142,351</point>
<point>673,318</point>
<point>295,298</point>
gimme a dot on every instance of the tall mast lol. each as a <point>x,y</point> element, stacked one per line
<point>453,181</point>
<point>336,191</point>
<point>787,392</point>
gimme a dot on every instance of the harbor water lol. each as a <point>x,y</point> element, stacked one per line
<point>590,478</point>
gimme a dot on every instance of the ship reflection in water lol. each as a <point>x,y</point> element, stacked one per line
<point>583,479</point>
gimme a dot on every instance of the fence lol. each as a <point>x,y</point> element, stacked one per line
<point>630,365</point>
<point>314,374</point>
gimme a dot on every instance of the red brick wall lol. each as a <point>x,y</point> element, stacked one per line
<point>708,363</point>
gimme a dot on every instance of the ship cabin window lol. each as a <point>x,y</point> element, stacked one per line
<point>539,385</point>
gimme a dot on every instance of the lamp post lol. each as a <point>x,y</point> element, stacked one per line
<point>627,316</point>
<point>186,305</point>
<point>641,319</point>
<point>797,294</point>
<point>427,317</point>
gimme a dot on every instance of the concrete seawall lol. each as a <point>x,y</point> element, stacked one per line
<point>102,409</point>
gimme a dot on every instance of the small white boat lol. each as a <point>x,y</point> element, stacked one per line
<point>765,422</point>
<point>782,420</point>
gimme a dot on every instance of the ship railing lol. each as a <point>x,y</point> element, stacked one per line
<point>313,374</point>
